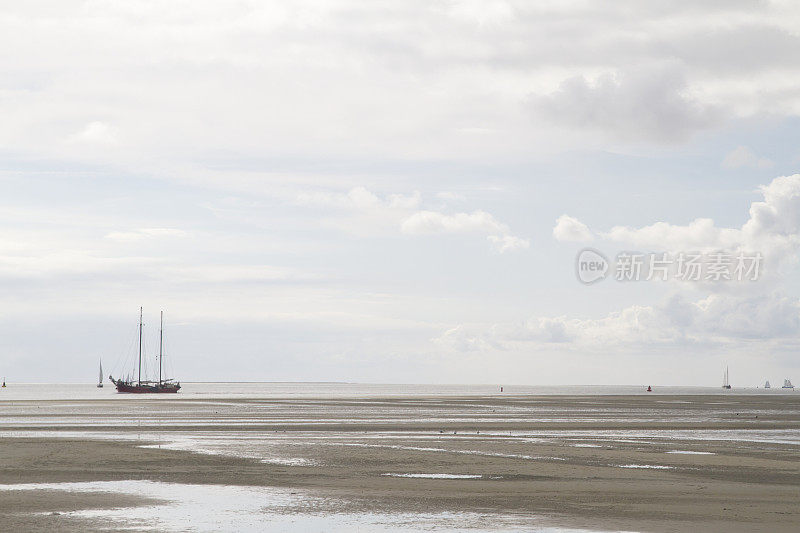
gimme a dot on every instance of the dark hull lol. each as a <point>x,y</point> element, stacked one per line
<point>145,388</point>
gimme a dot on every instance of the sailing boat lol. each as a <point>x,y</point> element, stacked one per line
<point>767,385</point>
<point>787,384</point>
<point>100,379</point>
<point>139,386</point>
<point>726,384</point>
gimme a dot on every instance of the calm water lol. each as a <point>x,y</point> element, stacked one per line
<point>42,391</point>
<point>207,508</point>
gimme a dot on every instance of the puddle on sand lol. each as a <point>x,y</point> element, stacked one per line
<point>206,508</point>
<point>289,461</point>
<point>690,452</point>
<point>449,450</point>
<point>437,476</point>
<point>263,451</point>
<point>653,467</point>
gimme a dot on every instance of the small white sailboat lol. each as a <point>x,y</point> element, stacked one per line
<point>767,385</point>
<point>100,379</point>
<point>726,384</point>
<point>787,384</point>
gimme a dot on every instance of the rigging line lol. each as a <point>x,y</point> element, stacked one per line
<point>127,356</point>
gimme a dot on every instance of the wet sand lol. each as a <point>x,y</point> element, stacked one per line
<point>609,462</point>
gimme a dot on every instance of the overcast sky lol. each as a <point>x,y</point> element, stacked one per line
<point>397,191</point>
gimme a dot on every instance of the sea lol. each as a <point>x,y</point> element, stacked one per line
<point>74,391</point>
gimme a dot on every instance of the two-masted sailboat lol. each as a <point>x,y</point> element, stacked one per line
<point>140,386</point>
<point>726,384</point>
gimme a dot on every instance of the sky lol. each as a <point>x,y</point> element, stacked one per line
<point>397,192</point>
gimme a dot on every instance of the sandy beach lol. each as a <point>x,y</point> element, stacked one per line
<point>634,463</point>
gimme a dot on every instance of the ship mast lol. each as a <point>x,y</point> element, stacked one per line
<point>160,346</point>
<point>140,346</point>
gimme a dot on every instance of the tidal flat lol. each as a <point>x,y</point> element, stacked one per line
<point>481,462</point>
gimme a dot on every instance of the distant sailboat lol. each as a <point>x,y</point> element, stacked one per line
<point>767,385</point>
<point>787,384</point>
<point>100,379</point>
<point>726,384</point>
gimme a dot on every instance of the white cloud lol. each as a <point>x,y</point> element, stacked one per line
<point>477,222</point>
<point>301,79</point>
<point>482,12</point>
<point>360,211</point>
<point>651,105</point>
<point>700,234</point>
<point>144,233</point>
<point>507,243</point>
<point>366,211</point>
<point>71,264</point>
<point>721,319</point>
<point>230,274</point>
<point>432,222</point>
<point>460,339</point>
<point>68,263</point>
<point>779,214</point>
<point>742,156</point>
<point>95,132</point>
<point>568,228</point>
<point>358,198</point>
<point>730,316</point>
<point>772,228</point>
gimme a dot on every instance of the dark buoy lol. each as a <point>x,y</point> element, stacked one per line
<point>501,389</point>
<point>649,388</point>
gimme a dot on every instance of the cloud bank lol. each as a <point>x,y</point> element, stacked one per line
<point>773,228</point>
<point>642,105</point>
<point>731,317</point>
